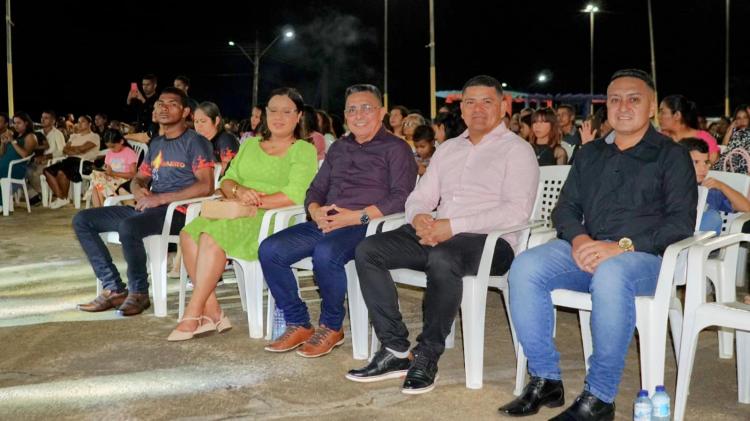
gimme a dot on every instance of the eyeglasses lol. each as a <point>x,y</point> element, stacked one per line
<point>410,123</point>
<point>284,112</point>
<point>365,109</point>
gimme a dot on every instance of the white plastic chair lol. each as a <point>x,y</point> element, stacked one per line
<point>7,183</point>
<point>156,247</point>
<point>568,149</point>
<point>474,298</point>
<point>699,314</point>
<point>141,149</point>
<point>651,312</point>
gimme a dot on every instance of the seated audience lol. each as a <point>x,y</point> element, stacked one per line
<point>482,181</point>
<point>628,197</point>
<point>740,120</point>
<point>424,147</point>
<point>396,118</point>
<point>178,166</point>
<point>15,147</point>
<point>119,167</point>
<point>54,149</point>
<point>365,175</point>
<point>545,138</point>
<point>566,117</point>
<point>271,171</point>
<point>208,123</point>
<point>312,132</point>
<point>83,145</point>
<point>678,119</point>
<point>721,197</point>
<point>409,124</point>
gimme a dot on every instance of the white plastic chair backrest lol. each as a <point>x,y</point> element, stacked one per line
<point>737,181</point>
<point>217,174</point>
<point>17,162</point>
<point>702,196</point>
<point>141,149</point>
<point>320,163</point>
<point>551,180</point>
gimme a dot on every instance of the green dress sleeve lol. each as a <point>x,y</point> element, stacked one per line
<point>304,166</point>
<point>232,173</point>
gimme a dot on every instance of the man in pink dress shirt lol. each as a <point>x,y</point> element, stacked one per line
<point>481,181</point>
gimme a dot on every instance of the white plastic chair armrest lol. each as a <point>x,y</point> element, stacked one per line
<point>167,228</point>
<point>18,161</point>
<point>116,200</point>
<point>393,219</point>
<point>488,252</point>
<point>284,215</point>
<point>669,261</point>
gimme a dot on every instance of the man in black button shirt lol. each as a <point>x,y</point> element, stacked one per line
<point>628,197</point>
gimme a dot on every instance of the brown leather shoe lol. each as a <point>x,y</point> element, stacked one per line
<point>105,301</point>
<point>292,337</point>
<point>322,342</point>
<point>134,304</point>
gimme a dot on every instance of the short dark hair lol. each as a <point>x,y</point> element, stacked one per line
<point>403,110</point>
<point>151,77</point>
<point>102,115</point>
<point>568,107</point>
<point>424,133</point>
<point>179,92</point>
<point>52,114</point>
<point>364,87</point>
<point>184,79</point>
<point>112,136</point>
<point>484,80</point>
<point>694,144</point>
<point>636,73</point>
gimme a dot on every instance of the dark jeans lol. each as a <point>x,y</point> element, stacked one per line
<point>445,265</point>
<point>330,253</point>
<point>133,226</point>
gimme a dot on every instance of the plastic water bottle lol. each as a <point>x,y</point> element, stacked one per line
<point>279,324</point>
<point>660,401</point>
<point>642,408</point>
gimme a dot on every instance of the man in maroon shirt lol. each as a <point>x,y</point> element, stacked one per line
<point>366,174</point>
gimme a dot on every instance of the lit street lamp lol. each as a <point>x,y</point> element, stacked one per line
<point>591,10</point>
<point>542,78</point>
<point>257,55</point>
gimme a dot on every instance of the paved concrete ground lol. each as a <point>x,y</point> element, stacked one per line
<point>62,364</point>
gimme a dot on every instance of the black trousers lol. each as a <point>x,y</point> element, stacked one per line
<point>445,265</point>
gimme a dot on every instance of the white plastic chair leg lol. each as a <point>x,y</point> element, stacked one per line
<point>241,290</point>
<point>99,287</point>
<point>743,366</point>
<point>675,324</point>
<point>77,194</point>
<point>473,305</point>
<point>450,341</point>
<point>687,358</point>
<point>183,287</point>
<point>725,293</point>
<point>741,278</point>
<point>45,191</point>
<point>521,368</point>
<point>5,191</point>
<point>358,315</point>
<point>252,288</point>
<point>588,343</point>
<point>157,255</point>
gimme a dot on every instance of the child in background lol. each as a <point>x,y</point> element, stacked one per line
<point>119,167</point>
<point>424,146</point>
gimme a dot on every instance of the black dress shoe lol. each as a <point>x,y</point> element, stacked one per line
<point>588,407</point>
<point>421,375</point>
<point>539,392</point>
<point>383,366</point>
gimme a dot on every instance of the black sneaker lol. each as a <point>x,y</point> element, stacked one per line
<point>36,200</point>
<point>384,366</point>
<point>421,375</point>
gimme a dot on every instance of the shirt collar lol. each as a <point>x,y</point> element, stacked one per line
<point>646,149</point>
<point>379,136</point>
<point>496,133</point>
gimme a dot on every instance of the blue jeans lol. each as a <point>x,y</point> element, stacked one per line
<point>330,252</point>
<point>613,287</point>
<point>132,226</point>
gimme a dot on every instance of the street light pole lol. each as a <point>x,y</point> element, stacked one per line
<point>385,56</point>
<point>257,55</point>
<point>726,62</point>
<point>653,53</point>
<point>9,62</point>
<point>433,82</point>
<point>591,9</point>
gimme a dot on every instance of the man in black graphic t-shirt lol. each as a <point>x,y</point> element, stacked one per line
<point>179,166</point>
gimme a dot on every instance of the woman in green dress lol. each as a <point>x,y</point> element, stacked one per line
<point>270,171</point>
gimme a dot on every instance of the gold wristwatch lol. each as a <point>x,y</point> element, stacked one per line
<point>626,244</point>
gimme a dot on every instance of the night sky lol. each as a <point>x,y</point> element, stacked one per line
<point>80,56</point>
